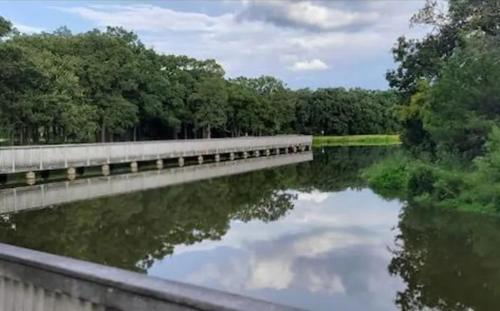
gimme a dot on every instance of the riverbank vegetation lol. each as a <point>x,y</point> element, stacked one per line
<point>356,140</point>
<point>449,84</point>
<point>106,86</point>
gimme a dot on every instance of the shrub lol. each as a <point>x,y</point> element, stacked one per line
<point>389,177</point>
<point>420,181</point>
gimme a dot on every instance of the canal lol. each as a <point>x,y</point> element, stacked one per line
<point>310,235</point>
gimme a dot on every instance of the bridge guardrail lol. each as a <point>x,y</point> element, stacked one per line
<point>48,157</point>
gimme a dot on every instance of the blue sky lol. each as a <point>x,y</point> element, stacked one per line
<point>305,43</point>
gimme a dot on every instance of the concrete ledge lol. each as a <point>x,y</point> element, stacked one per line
<point>78,284</point>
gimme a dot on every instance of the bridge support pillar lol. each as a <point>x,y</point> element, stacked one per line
<point>294,149</point>
<point>231,156</point>
<point>256,153</point>
<point>105,169</point>
<point>30,178</point>
<point>200,159</point>
<point>277,151</point>
<point>287,149</point>
<point>181,162</point>
<point>268,152</point>
<point>71,173</point>
<point>159,164</point>
<point>217,157</point>
<point>245,154</point>
<point>134,167</point>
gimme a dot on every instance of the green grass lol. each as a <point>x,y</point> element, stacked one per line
<point>356,140</point>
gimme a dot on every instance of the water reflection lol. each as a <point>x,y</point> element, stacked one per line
<point>448,260</point>
<point>13,200</point>
<point>309,235</point>
<point>329,254</point>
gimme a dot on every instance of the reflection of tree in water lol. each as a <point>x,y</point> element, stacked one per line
<point>132,230</point>
<point>336,169</point>
<point>448,261</point>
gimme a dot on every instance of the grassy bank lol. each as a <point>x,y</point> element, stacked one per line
<point>447,183</point>
<point>356,140</point>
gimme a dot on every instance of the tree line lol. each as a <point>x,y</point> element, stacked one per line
<point>106,86</point>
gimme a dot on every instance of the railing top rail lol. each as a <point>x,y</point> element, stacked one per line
<point>196,297</point>
<point>153,142</point>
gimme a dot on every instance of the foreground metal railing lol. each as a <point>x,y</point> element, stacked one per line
<point>32,280</point>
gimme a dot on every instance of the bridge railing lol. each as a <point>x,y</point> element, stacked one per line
<point>48,157</point>
<point>32,280</point>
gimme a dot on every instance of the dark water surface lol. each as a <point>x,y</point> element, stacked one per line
<point>312,235</point>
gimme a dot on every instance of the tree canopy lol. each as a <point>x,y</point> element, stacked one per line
<point>448,83</point>
<point>105,85</point>
<point>448,80</point>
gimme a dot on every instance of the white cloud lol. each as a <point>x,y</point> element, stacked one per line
<point>309,65</point>
<point>150,18</point>
<point>307,15</point>
<point>287,40</point>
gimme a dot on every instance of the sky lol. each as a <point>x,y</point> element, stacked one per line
<point>304,43</point>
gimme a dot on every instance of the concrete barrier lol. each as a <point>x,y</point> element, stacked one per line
<point>22,159</point>
<point>32,280</point>
<point>18,199</point>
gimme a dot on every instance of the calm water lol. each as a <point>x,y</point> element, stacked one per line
<point>310,235</point>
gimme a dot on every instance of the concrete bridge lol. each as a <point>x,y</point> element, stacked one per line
<point>32,159</point>
<point>13,200</point>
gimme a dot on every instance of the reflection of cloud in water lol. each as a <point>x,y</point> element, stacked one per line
<point>272,273</point>
<point>328,253</point>
<point>278,265</point>
<point>314,196</point>
<point>323,242</point>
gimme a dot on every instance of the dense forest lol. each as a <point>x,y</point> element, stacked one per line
<point>450,90</point>
<point>107,86</point>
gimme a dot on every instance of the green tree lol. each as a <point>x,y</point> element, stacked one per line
<point>5,26</point>
<point>243,109</point>
<point>209,103</point>
<point>424,59</point>
<point>106,85</point>
<point>463,103</point>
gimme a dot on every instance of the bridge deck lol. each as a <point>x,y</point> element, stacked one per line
<point>51,157</point>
